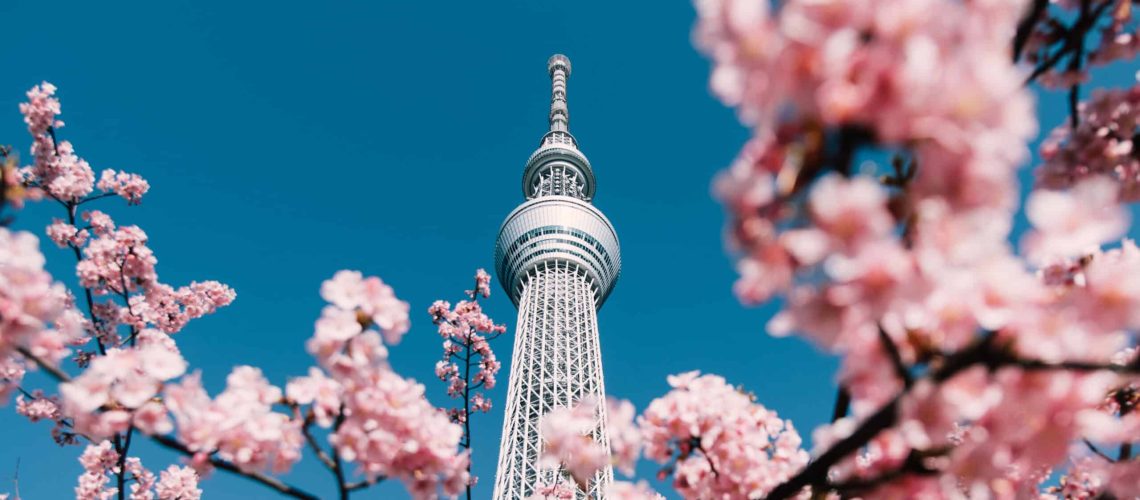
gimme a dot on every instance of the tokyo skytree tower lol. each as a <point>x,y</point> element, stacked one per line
<point>558,258</point>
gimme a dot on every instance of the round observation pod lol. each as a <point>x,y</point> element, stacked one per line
<point>563,230</point>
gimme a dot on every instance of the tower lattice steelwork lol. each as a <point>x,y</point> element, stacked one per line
<point>558,258</point>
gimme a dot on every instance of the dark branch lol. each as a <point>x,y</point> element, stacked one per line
<point>1025,27</point>
<point>272,482</point>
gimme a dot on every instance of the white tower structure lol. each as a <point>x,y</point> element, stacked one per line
<point>558,258</point>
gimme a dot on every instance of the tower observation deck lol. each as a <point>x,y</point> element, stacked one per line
<point>558,258</point>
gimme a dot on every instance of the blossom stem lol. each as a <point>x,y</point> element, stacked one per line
<point>467,403</point>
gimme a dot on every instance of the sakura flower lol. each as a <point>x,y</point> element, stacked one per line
<point>622,490</point>
<point>178,483</point>
<point>373,299</point>
<point>1068,223</point>
<point>569,442</point>
<point>708,425</point>
<point>129,186</point>
<point>64,234</point>
<point>239,423</point>
<point>318,390</point>
<point>625,438</point>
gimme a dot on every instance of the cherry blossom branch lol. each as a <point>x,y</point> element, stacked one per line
<point>982,352</point>
<point>173,444</point>
<point>1079,30</point>
<point>467,401</point>
<point>913,464</point>
<point>272,482</point>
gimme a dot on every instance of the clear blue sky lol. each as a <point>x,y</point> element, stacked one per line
<point>284,141</point>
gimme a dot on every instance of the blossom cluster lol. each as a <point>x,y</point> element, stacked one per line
<point>1106,42</point>
<point>36,313</point>
<point>57,170</point>
<point>1103,144</point>
<point>722,444</point>
<point>379,420</point>
<point>571,441</point>
<point>711,437</point>
<point>467,332</point>
<point>118,388</point>
<point>239,425</point>
<point>99,460</point>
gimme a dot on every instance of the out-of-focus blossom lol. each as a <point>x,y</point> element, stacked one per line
<point>558,491</point>
<point>624,490</point>
<point>624,436</point>
<point>1069,223</point>
<point>571,442</point>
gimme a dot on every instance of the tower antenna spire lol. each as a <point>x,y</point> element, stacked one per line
<point>559,67</point>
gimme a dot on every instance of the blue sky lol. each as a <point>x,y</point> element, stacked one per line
<point>284,141</point>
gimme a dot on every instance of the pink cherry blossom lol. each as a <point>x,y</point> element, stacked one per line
<point>1071,222</point>
<point>482,285</point>
<point>40,407</point>
<point>178,483</point>
<point>64,234</point>
<point>557,491</point>
<point>321,392</point>
<point>704,424</point>
<point>97,461</point>
<point>624,436</point>
<point>99,400</point>
<point>129,186</point>
<point>467,332</point>
<point>1102,144</point>
<point>850,212</point>
<point>239,424</point>
<point>372,298</point>
<point>36,313</point>
<point>101,223</point>
<point>391,430</point>
<point>623,490</point>
<point>569,439</point>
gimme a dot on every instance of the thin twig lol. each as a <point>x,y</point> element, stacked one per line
<point>896,358</point>
<point>1092,447</point>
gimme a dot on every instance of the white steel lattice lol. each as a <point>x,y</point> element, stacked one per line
<point>556,363</point>
<point>558,258</point>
